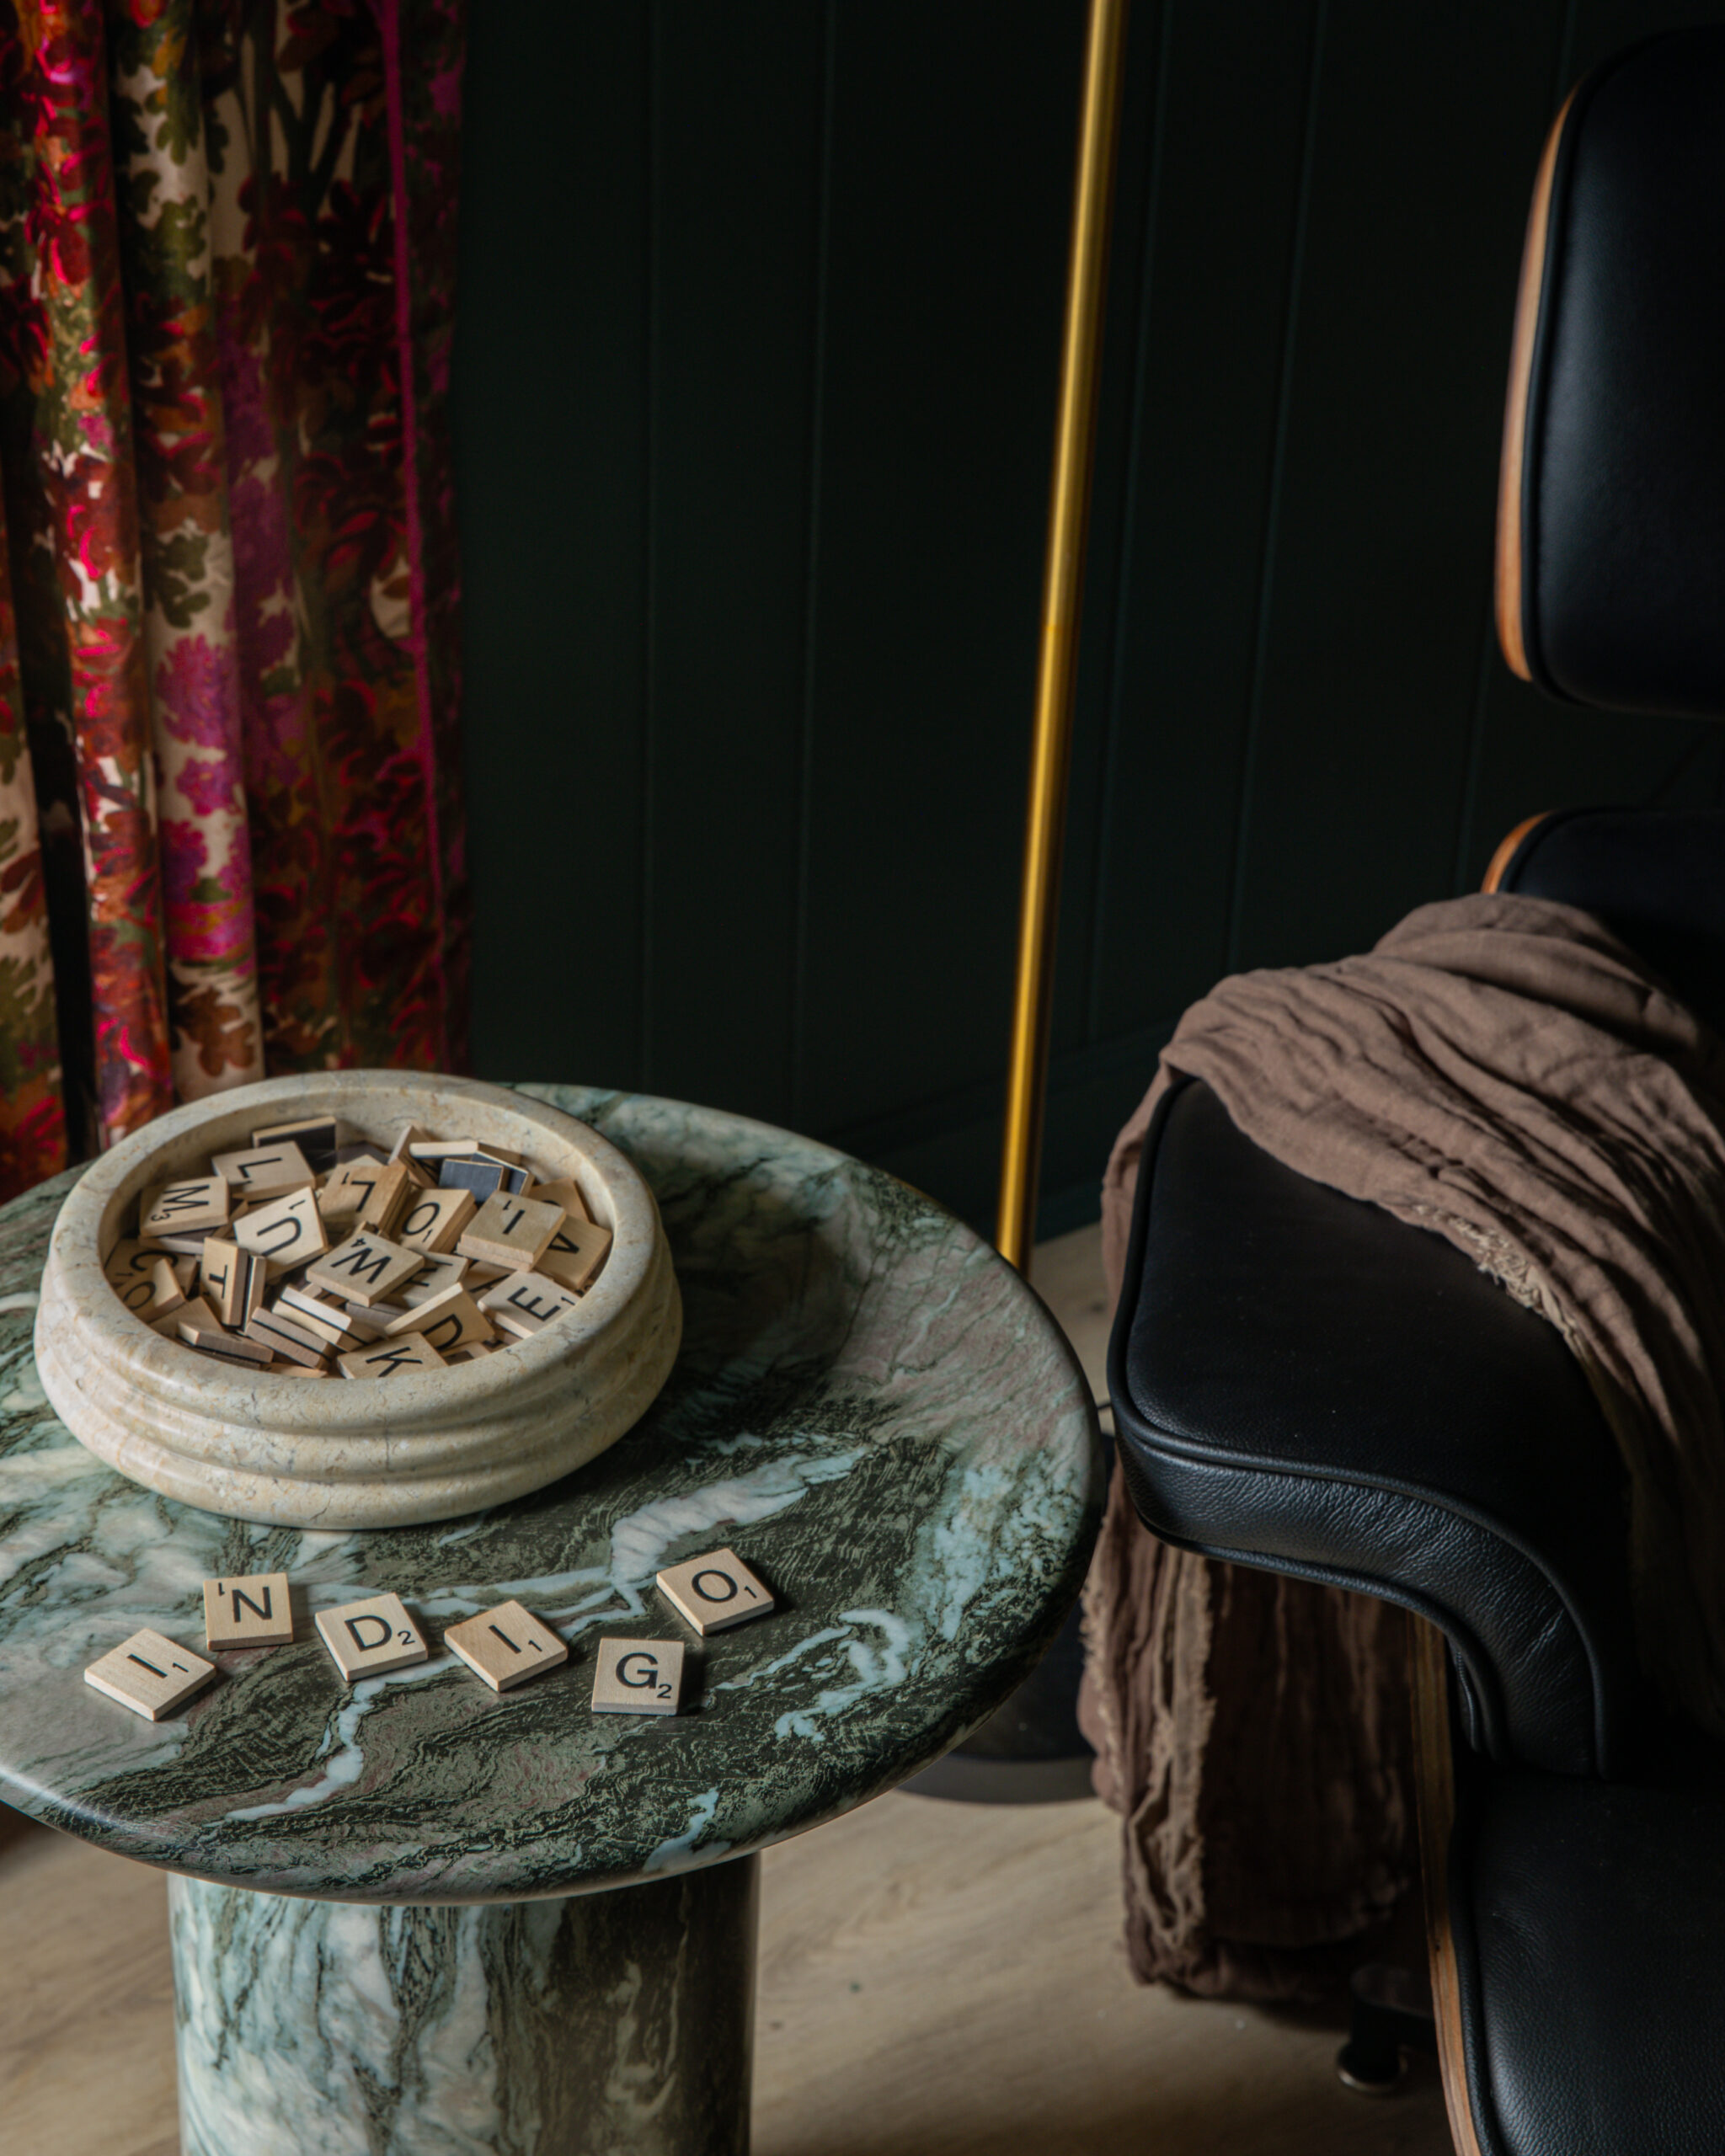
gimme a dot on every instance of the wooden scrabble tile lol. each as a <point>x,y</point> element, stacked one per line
<point>150,1674</point>
<point>181,1246</point>
<point>474,1352</point>
<point>166,1294</point>
<point>433,1277</point>
<point>387,1201</point>
<point>344,1196</point>
<point>388,1358</point>
<point>365,1269</point>
<point>360,1149</point>
<point>264,1170</point>
<point>247,1365</point>
<point>714,1592</point>
<point>637,1677</point>
<point>410,1136</point>
<point>525,1303</point>
<point>135,1282</point>
<point>435,1219</point>
<point>285,1233</point>
<point>312,1302</point>
<point>482,1276</point>
<point>367,1638</point>
<point>505,1645</point>
<point>252,1612</point>
<point>418,1174</point>
<point>316,1137</point>
<point>296,1370</point>
<point>575,1255</point>
<point>326,1321</point>
<point>450,1149</point>
<point>223,1270</point>
<point>287,1341</point>
<point>185,1271</point>
<point>184,1208</point>
<point>339,1203</point>
<point>450,1321</point>
<point>280,1321</point>
<point>509,1232</point>
<point>128,1262</point>
<point>236,1351</point>
<point>199,1327</point>
<point>369,1325</point>
<point>567,1193</point>
<point>471,1172</point>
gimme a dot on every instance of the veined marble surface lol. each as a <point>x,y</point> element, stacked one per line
<point>869,1406</point>
<point>593,2025</point>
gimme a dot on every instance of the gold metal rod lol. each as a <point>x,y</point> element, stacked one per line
<point>1057,662</point>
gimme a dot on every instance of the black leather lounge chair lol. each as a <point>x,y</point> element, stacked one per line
<point>1302,1382</point>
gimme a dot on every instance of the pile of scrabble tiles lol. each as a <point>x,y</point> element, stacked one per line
<point>504,1647</point>
<point>307,1254</point>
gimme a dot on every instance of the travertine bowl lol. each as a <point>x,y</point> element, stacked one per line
<point>365,1453</point>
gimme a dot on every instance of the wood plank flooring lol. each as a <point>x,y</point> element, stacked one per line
<point>937,1979</point>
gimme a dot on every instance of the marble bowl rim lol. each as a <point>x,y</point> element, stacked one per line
<point>74,1286</point>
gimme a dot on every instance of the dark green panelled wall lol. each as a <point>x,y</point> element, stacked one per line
<point>754,388</point>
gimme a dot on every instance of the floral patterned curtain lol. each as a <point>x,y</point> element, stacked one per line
<point>230,824</point>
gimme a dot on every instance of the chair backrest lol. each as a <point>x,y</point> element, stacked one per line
<point>1611,507</point>
<point>1656,877</point>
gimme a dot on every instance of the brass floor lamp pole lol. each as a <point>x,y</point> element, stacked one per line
<point>1057,663</point>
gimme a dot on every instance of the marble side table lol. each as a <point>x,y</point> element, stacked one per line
<point>419,1917</point>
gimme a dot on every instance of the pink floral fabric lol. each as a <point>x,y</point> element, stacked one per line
<point>230,833</point>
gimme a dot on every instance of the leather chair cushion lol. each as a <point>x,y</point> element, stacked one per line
<point>1588,1920</point>
<point>1303,1383</point>
<point>1618,591</point>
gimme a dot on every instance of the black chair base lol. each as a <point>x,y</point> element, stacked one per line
<point>1031,1751</point>
<point>1389,2014</point>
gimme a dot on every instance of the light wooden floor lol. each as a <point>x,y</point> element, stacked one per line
<point>937,1980</point>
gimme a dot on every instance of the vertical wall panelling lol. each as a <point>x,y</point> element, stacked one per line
<point>550,413</point>
<point>755,390</point>
<point>1217,294</point>
<point>1120,423</point>
<point>953,132</point>
<point>736,195</point>
<point>802,955</point>
<point>1273,533</point>
<point>1368,665</point>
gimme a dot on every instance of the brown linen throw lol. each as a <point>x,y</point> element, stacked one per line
<point>1500,1070</point>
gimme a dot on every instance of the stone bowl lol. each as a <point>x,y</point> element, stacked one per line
<point>357,1453</point>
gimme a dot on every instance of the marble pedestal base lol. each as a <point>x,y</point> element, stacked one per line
<point>614,2022</point>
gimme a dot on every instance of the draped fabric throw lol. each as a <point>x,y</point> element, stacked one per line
<point>230,829</point>
<point>1502,1072</point>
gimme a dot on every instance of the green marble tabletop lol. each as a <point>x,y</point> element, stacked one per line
<point>869,1406</point>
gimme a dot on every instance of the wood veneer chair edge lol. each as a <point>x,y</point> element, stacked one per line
<point>1435,1770</point>
<point>1508,597</point>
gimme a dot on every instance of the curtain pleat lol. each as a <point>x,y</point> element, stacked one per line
<point>32,1114</point>
<point>190,642</point>
<point>79,526</point>
<point>231,832</point>
<point>347,828</point>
